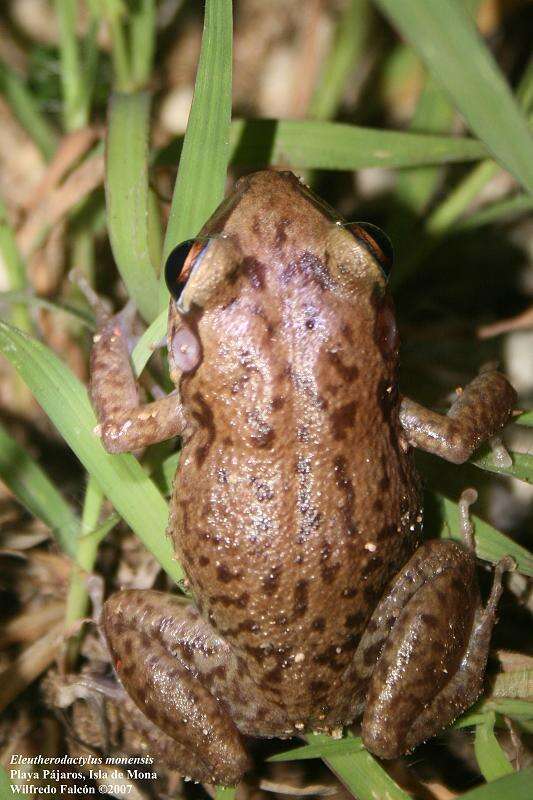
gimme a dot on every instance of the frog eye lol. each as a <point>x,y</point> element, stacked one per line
<point>180,264</point>
<point>376,241</point>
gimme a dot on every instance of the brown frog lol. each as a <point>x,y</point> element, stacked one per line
<point>296,508</point>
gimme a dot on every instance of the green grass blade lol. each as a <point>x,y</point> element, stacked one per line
<point>334,145</point>
<point>164,472</point>
<point>521,468</point>
<point>333,747</point>
<point>361,773</point>
<point>6,787</point>
<point>347,48</point>
<point>415,187</point>
<point>144,348</point>
<point>34,489</point>
<point>491,759</point>
<point>512,787</point>
<point>25,106</point>
<point>433,114</point>
<point>491,545</point>
<point>120,477</point>
<point>87,548</point>
<point>446,39</point>
<point>204,158</point>
<point>115,14</point>
<point>73,79</point>
<point>127,198</point>
<point>142,40</point>
<point>500,211</point>
<point>26,298</point>
<point>457,201</point>
<point>526,419</point>
<point>520,710</point>
<point>15,268</point>
<point>311,144</point>
<point>225,793</point>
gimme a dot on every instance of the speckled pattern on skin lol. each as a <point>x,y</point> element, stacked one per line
<point>296,506</point>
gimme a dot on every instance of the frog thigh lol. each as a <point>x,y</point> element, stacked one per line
<point>154,640</point>
<point>429,639</point>
<point>187,681</point>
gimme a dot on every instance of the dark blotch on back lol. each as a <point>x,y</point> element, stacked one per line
<point>264,438</point>
<point>225,575</point>
<point>347,372</point>
<point>301,591</point>
<point>342,419</point>
<point>371,654</point>
<point>271,581</point>
<point>205,420</point>
<point>281,233</point>
<point>345,485</point>
<point>308,265</point>
<point>255,270</point>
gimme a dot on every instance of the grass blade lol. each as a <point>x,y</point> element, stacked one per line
<point>26,108</point>
<point>15,268</point>
<point>145,346</point>
<point>225,793</point>
<point>520,710</point>
<point>120,477</point>
<point>142,41</point>
<point>446,39</point>
<point>311,144</point>
<point>26,298</point>
<point>490,757</point>
<point>78,595</point>
<point>346,50</point>
<point>333,747</point>
<point>204,159</point>
<point>361,773</point>
<point>6,787</point>
<point>512,787</point>
<point>34,489</point>
<point>491,545</point>
<point>127,198</point>
<point>521,468</point>
<point>433,114</point>
<point>499,211</point>
<point>73,79</point>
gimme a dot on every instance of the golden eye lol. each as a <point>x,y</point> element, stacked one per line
<point>376,241</point>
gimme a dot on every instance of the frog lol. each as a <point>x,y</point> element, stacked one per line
<point>296,510</point>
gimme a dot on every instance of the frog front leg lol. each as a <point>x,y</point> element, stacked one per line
<point>124,424</point>
<point>481,409</point>
<point>430,635</point>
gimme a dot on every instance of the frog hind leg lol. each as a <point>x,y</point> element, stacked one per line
<point>430,635</point>
<point>166,657</point>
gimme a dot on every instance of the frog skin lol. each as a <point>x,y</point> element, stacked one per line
<point>296,509</point>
